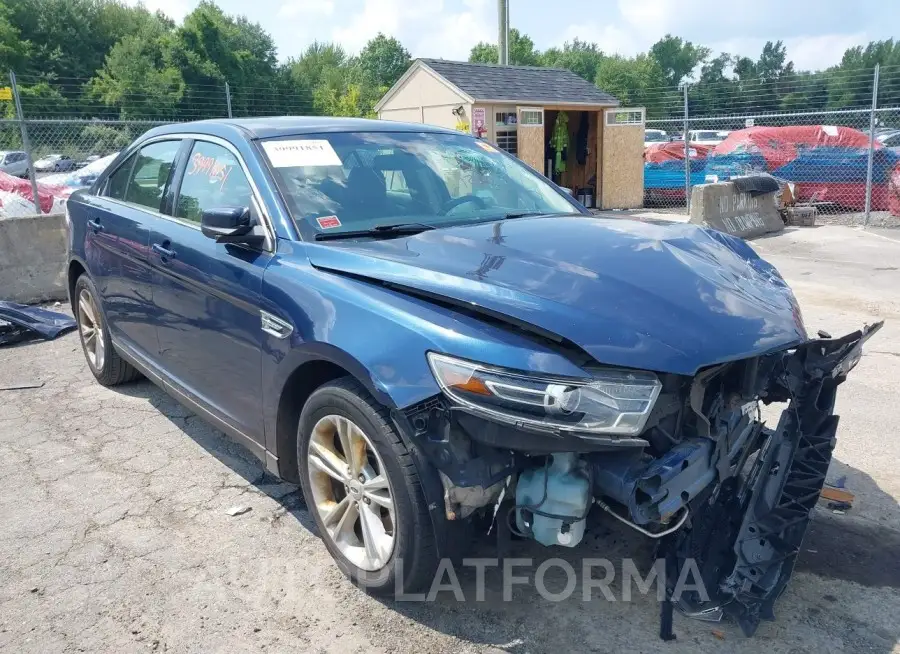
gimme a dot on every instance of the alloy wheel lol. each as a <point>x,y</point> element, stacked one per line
<point>91,329</point>
<point>351,492</point>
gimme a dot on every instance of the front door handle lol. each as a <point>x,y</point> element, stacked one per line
<point>95,225</point>
<point>163,251</point>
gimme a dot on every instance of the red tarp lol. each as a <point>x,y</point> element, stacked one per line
<point>22,187</point>
<point>778,145</point>
<point>674,151</point>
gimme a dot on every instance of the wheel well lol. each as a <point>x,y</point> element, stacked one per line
<point>76,270</point>
<point>299,386</point>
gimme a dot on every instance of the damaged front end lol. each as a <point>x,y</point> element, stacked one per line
<point>686,460</point>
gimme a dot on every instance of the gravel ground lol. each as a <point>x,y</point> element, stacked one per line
<point>116,535</point>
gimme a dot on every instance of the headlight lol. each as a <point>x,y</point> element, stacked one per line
<point>612,401</point>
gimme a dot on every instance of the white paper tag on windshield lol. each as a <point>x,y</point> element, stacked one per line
<point>290,154</point>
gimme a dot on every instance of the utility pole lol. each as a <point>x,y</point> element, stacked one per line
<point>503,34</point>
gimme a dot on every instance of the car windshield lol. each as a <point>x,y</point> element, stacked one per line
<point>707,136</point>
<point>356,181</point>
<point>655,136</point>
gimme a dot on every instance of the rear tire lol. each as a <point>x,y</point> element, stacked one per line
<point>342,415</point>
<point>105,363</point>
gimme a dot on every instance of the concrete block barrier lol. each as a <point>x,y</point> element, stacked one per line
<point>33,258</point>
<point>721,206</point>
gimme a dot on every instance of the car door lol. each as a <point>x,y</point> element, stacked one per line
<point>209,293</point>
<point>117,242</point>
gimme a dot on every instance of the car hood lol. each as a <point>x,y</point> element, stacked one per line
<point>664,297</point>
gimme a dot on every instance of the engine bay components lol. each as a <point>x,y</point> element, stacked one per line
<point>654,490</point>
<point>552,502</point>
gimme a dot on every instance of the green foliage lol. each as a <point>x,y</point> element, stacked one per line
<point>676,58</point>
<point>581,57</point>
<point>104,139</point>
<point>138,78</point>
<point>383,61</point>
<point>634,81</point>
<point>112,59</point>
<point>521,51</point>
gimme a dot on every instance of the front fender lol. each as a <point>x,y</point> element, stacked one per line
<point>378,335</point>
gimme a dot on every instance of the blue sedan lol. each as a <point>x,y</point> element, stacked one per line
<point>428,335</point>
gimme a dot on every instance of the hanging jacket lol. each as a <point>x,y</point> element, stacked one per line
<point>560,141</point>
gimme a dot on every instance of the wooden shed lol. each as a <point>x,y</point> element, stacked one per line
<point>598,145</point>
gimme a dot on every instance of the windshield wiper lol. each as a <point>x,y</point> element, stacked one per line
<point>526,214</point>
<point>398,229</point>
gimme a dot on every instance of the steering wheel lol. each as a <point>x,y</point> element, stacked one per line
<point>450,205</point>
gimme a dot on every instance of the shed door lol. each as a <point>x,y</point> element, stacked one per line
<point>531,136</point>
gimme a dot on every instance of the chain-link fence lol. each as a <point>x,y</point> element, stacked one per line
<point>76,140</point>
<point>815,135</point>
<point>811,130</point>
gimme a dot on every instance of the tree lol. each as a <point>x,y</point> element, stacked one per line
<point>521,51</point>
<point>69,39</point>
<point>677,58</point>
<point>850,83</point>
<point>634,81</point>
<point>138,79</point>
<point>581,57</point>
<point>13,50</point>
<point>714,91</point>
<point>383,61</point>
<point>773,64</point>
<point>212,48</point>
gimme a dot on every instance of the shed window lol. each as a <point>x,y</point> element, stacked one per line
<point>615,117</point>
<point>507,140</point>
<point>532,116</point>
<point>505,118</point>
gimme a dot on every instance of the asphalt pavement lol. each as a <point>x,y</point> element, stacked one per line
<point>117,534</point>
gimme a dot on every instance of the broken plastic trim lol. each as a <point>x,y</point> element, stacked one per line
<point>783,487</point>
<point>31,322</point>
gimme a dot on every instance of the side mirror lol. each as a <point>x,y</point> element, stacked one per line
<point>228,225</point>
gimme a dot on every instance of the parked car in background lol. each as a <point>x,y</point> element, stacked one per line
<point>706,136</point>
<point>14,162</point>
<point>652,136</point>
<point>81,163</point>
<point>421,349</point>
<point>55,163</point>
<point>889,139</point>
<point>80,177</point>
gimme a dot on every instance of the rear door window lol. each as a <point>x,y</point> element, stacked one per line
<point>151,173</point>
<point>213,179</point>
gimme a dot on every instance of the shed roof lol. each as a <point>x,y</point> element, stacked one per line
<point>534,84</point>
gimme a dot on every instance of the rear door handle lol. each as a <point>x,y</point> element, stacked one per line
<point>95,225</point>
<point>163,251</point>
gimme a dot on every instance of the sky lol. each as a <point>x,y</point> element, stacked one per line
<point>816,32</point>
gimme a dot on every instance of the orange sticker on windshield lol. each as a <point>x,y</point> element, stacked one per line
<point>485,146</point>
<point>328,222</point>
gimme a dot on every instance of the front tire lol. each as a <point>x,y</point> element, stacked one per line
<point>105,363</point>
<point>363,490</point>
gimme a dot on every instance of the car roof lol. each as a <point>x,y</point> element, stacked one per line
<point>262,128</point>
